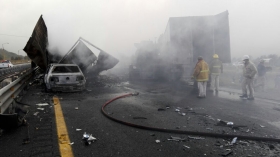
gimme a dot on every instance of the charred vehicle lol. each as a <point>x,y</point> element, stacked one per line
<point>64,78</point>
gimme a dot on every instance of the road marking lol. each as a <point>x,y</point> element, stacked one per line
<point>62,133</point>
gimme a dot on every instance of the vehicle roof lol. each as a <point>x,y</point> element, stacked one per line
<point>56,64</point>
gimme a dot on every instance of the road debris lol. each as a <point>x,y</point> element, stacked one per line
<point>78,129</point>
<point>88,138</point>
<point>172,138</point>
<point>42,109</point>
<point>167,107</point>
<point>36,113</point>
<point>177,110</point>
<point>42,104</point>
<point>157,141</point>
<point>196,138</point>
<point>229,123</point>
<point>71,143</point>
<point>183,114</point>
<point>76,108</point>
<point>262,126</point>
<point>186,146</point>
<point>233,140</point>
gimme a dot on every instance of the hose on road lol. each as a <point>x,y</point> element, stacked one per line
<point>217,135</point>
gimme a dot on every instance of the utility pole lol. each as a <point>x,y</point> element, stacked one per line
<point>3,49</point>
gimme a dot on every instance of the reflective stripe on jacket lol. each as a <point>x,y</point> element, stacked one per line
<point>201,71</point>
<point>216,66</point>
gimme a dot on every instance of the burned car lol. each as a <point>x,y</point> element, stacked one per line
<point>64,78</point>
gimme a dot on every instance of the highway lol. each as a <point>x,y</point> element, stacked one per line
<point>53,131</point>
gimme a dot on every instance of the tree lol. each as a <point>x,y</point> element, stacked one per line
<point>26,58</point>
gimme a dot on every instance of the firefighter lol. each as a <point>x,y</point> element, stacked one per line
<point>216,67</point>
<point>249,72</point>
<point>201,73</point>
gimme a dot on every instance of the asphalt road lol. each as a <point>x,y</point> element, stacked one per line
<point>83,111</point>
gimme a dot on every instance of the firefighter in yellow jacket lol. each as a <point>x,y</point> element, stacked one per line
<point>216,67</point>
<point>201,74</point>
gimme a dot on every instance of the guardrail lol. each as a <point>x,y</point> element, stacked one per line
<point>8,72</point>
<point>11,91</point>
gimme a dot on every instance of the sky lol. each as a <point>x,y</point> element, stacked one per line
<point>115,25</point>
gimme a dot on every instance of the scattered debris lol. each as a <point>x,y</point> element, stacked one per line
<point>196,138</point>
<point>186,146</point>
<point>172,138</point>
<point>36,113</point>
<point>221,122</point>
<point>139,118</point>
<point>71,143</point>
<point>262,126</point>
<point>78,129</point>
<point>42,104</point>
<point>42,109</point>
<point>230,123</point>
<point>76,108</point>
<point>183,114</point>
<point>88,138</point>
<point>167,107</point>
<point>91,139</point>
<point>248,130</point>
<point>233,140</point>
<point>177,110</point>
<point>161,109</point>
<point>157,141</point>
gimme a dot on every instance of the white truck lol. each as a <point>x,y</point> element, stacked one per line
<point>6,64</point>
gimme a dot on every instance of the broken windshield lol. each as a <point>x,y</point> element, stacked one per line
<point>66,69</point>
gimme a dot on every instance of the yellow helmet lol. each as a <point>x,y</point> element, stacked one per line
<point>215,56</point>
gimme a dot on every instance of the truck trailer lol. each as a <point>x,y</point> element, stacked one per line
<point>175,54</point>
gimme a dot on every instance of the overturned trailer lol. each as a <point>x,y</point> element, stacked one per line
<point>80,54</point>
<point>36,47</point>
<point>185,38</point>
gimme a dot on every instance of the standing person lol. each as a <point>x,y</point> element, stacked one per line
<point>261,75</point>
<point>249,72</point>
<point>201,73</point>
<point>216,67</point>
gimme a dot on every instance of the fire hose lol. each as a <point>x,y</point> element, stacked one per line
<point>217,135</point>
